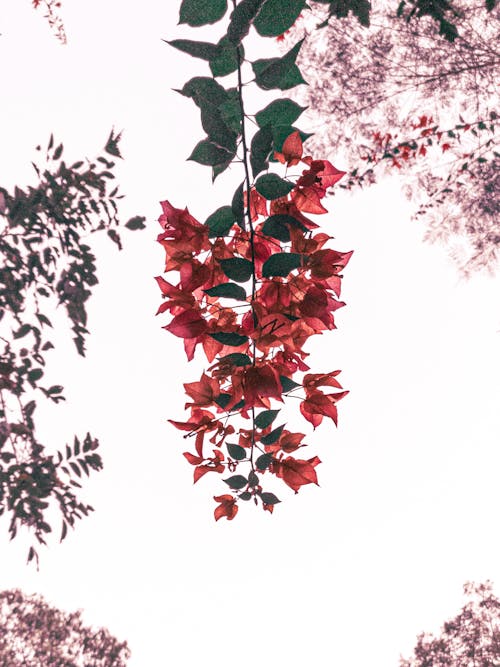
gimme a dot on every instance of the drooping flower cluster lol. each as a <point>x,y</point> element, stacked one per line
<point>251,295</point>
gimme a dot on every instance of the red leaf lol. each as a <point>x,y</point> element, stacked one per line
<point>188,324</point>
<point>203,392</point>
<point>227,507</point>
<point>291,151</point>
<point>296,472</point>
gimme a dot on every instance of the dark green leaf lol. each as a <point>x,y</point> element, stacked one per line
<point>136,223</point>
<point>43,319</point>
<point>225,59</point>
<point>246,495</point>
<point>236,452</point>
<point>287,384</point>
<point>232,339</point>
<point>253,480</point>
<point>35,375</point>
<point>269,498</point>
<point>237,268</point>
<point>236,481</point>
<point>261,146</point>
<point>237,359</point>
<point>55,389</point>
<point>241,19</point>
<point>204,91</point>
<point>276,16</point>
<point>272,437</point>
<point>279,112</point>
<point>208,153</point>
<point>203,50</point>
<point>228,291</point>
<point>218,169</point>
<point>202,12</point>
<point>271,186</point>
<point>218,131</point>
<point>222,400</point>
<point>230,110</point>
<point>278,227</point>
<point>29,408</point>
<point>266,418</point>
<point>237,206</point>
<point>58,152</point>
<point>220,222</point>
<point>282,263</point>
<point>279,73</point>
<point>23,330</point>
<point>264,461</point>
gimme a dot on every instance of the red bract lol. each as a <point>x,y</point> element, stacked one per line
<point>296,472</point>
<point>227,507</point>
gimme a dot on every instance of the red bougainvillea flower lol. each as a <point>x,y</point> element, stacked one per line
<point>180,226</point>
<point>318,405</point>
<point>296,472</point>
<point>227,507</point>
<point>291,151</point>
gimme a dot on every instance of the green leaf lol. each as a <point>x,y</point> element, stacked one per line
<point>236,481</point>
<point>287,384</point>
<point>225,59</point>
<point>277,16</point>
<point>261,146</point>
<point>207,153</point>
<point>271,186</point>
<point>218,169</point>
<point>230,110</point>
<point>220,222</point>
<point>269,498</point>
<point>246,495</point>
<point>228,291</point>
<point>136,223</point>
<point>35,375</point>
<point>282,263</point>
<point>272,437</point>
<point>264,461</point>
<point>253,480</point>
<point>236,452</point>
<point>23,330</point>
<point>279,112</point>
<point>202,12</point>
<point>266,418</point>
<point>205,92</point>
<point>237,359</point>
<point>218,131</point>
<point>278,227</point>
<point>232,339</point>
<point>241,19</point>
<point>237,268</point>
<point>222,400</point>
<point>280,73</point>
<point>238,207</point>
<point>203,50</point>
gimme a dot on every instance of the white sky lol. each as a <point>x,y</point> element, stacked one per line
<point>345,574</point>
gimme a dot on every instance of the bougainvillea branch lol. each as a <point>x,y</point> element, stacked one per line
<point>257,279</point>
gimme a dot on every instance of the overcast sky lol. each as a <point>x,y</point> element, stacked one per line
<point>346,574</point>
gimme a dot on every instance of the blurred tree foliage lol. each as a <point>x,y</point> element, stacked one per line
<point>35,634</point>
<point>45,263</point>
<point>471,639</point>
<point>370,86</point>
